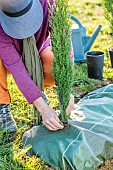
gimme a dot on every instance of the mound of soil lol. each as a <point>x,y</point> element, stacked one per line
<point>108,165</point>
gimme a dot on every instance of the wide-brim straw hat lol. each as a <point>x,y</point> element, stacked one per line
<point>21,19</point>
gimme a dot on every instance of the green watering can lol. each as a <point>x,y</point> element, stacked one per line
<point>80,41</point>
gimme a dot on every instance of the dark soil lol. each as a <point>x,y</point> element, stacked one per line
<point>108,165</point>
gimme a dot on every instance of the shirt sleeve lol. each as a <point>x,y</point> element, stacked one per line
<point>13,62</point>
<point>45,44</point>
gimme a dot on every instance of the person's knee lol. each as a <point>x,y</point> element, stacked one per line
<point>47,60</point>
<point>47,63</point>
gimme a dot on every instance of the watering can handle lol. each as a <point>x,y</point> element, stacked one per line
<point>76,20</point>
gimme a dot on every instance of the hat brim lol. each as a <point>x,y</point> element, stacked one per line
<point>24,26</point>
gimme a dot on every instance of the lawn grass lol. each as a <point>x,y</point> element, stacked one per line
<point>12,156</point>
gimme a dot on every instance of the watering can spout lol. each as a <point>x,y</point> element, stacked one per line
<point>92,39</point>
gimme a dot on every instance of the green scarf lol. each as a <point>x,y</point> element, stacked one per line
<point>33,65</point>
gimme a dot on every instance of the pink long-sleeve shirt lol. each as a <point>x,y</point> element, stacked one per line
<point>11,54</point>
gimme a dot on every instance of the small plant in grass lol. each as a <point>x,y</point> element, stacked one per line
<point>61,46</point>
<point>108,12</point>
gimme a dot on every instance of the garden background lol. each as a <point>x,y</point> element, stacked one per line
<point>12,156</point>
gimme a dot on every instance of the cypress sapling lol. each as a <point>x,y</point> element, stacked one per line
<point>108,12</point>
<point>61,46</point>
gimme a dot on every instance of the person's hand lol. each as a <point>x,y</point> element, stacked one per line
<point>70,105</point>
<point>49,116</point>
<point>51,120</point>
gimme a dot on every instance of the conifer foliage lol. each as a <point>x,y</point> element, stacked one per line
<point>108,12</point>
<point>61,46</point>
